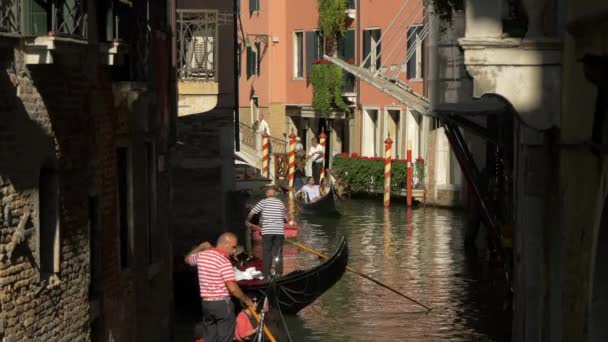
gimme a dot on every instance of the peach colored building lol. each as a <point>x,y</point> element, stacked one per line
<point>278,42</point>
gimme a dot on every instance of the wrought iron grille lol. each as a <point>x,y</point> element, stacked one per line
<point>10,16</point>
<point>69,18</point>
<point>248,136</point>
<point>196,43</point>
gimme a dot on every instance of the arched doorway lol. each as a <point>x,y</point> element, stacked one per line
<point>598,311</point>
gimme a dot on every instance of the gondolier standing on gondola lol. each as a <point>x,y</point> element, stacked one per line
<point>217,282</point>
<point>272,218</point>
<point>317,155</point>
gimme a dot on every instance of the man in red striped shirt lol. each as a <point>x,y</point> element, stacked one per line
<point>217,282</point>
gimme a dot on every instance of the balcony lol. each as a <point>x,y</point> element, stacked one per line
<point>198,86</point>
<point>45,26</point>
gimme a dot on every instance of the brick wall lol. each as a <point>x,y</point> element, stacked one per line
<point>45,122</point>
<point>72,116</point>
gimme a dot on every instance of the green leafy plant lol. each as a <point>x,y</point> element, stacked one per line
<point>327,83</point>
<point>363,174</point>
<point>332,19</point>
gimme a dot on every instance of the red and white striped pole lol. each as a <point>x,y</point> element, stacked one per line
<point>388,143</point>
<point>265,155</point>
<point>409,174</point>
<point>292,161</point>
<point>322,142</point>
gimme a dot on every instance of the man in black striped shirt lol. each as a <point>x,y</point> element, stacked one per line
<point>272,219</point>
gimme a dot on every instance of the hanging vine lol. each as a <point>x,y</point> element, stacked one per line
<point>332,21</point>
<point>327,81</point>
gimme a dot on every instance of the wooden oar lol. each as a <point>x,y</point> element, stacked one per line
<point>310,250</point>
<point>257,318</point>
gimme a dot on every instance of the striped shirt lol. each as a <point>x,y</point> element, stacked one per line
<point>273,214</point>
<point>214,271</point>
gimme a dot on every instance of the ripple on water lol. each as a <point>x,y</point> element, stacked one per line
<point>422,258</point>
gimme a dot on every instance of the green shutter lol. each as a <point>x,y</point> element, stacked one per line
<point>377,37</point>
<point>411,49</point>
<point>254,5</point>
<point>312,46</point>
<point>320,45</point>
<point>250,61</point>
<point>367,42</point>
<point>258,58</point>
<point>349,44</point>
<point>36,16</point>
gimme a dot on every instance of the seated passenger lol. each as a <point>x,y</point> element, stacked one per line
<point>310,190</point>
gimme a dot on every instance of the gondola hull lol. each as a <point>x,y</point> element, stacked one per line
<point>296,290</point>
<point>326,205</point>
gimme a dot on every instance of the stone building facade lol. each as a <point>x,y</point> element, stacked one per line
<point>88,117</point>
<point>539,71</point>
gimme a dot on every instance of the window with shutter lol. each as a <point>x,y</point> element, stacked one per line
<point>414,68</point>
<point>372,44</point>
<point>312,45</point>
<point>250,61</point>
<point>298,54</point>
<point>254,6</point>
<point>258,59</point>
<point>367,48</point>
<point>346,46</point>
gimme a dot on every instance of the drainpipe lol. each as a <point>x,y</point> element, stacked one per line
<point>237,119</point>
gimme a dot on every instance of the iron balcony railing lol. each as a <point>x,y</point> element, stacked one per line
<point>66,18</point>
<point>69,18</point>
<point>10,16</point>
<point>197,45</point>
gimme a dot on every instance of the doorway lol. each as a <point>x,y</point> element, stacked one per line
<point>393,129</point>
<point>414,120</point>
<point>369,136</point>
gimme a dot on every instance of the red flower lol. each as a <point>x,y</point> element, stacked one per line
<point>354,155</point>
<point>351,60</point>
<point>419,160</point>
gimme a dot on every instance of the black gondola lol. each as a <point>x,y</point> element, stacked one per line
<point>326,205</point>
<point>296,290</point>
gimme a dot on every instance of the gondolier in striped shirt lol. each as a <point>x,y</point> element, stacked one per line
<point>273,216</point>
<point>217,282</point>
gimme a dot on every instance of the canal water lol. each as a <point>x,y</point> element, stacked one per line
<point>417,252</point>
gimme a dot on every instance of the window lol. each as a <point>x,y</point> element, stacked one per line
<point>125,214</point>
<point>254,6</point>
<point>414,52</point>
<point>346,52</point>
<point>151,210</point>
<point>253,59</point>
<point>372,47</point>
<point>48,211</point>
<point>314,49</point>
<point>298,54</point>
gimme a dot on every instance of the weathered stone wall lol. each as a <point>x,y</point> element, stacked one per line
<point>71,117</point>
<point>45,122</point>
